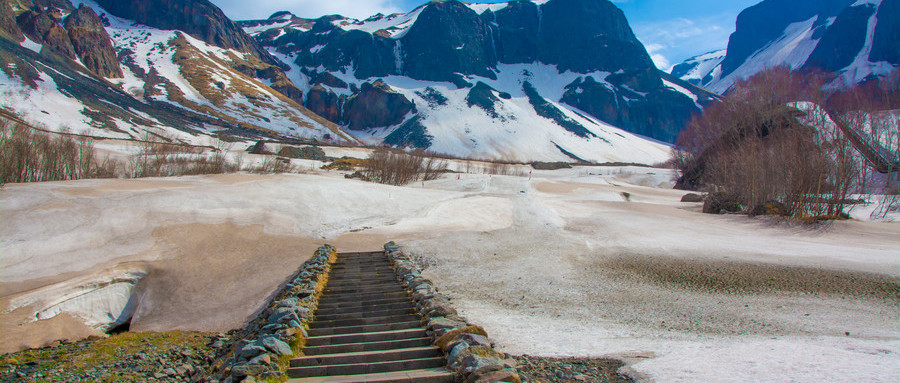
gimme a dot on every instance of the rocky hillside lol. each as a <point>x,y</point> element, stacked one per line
<point>146,69</point>
<point>855,39</point>
<point>524,80</point>
<point>531,80</point>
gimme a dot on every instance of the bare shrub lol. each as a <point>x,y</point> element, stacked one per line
<point>31,155</point>
<point>273,165</point>
<point>396,167</point>
<point>159,156</point>
<point>503,169</point>
<point>753,148</point>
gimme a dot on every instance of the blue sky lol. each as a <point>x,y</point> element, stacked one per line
<point>672,30</point>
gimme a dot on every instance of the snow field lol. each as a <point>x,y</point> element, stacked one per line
<point>561,264</point>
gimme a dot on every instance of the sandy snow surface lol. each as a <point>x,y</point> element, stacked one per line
<point>590,261</point>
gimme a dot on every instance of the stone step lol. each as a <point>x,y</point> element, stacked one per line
<point>364,337</point>
<point>360,283</point>
<point>367,346</point>
<point>362,297</point>
<point>362,273</point>
<point>366,314</point>
<point>364,328</point>
<point>375,279</point>
<point>431,375</point>
<point>361,266</point>
<point>361,262</point>
<point>358,304</point>
<point>357,290</point>
<point>365,368</point>
<point>363,321</point>
<point>367,357</point>
<point>364,309</point>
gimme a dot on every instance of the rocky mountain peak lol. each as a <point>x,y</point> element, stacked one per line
<point>198,18</point>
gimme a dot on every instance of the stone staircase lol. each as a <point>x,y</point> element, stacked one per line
<point>366,330</point>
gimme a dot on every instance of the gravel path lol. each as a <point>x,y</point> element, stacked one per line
<point>559,370</point>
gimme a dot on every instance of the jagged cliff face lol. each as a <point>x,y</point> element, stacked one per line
<point>580,56</point>
<point>198,18</point>
<point>856,40</point>
<point>79,67</point>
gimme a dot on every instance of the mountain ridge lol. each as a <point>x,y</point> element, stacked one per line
<point>855,40</point>
<point>546,80</point>
<point>466,43</point>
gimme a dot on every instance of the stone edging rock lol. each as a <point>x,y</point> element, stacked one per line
<point>468,350</point>
<point>263,348</point>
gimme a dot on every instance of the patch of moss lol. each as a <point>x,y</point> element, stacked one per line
<point>103,359</point>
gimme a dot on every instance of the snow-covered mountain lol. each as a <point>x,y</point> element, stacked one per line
<point>548,79</point>
<point>541,80</point>
<point>855,39</point>
<point>77,66</point>
<point>698,70</point>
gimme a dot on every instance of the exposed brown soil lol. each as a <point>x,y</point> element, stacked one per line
<point>755,278</point>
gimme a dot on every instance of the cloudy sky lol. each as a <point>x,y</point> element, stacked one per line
<point>672,30</point>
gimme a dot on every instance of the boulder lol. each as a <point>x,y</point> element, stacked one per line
<point>444,341</point>
<point>438,323</point>
<point>307,152</point>
<point>692,197</point>
<point>721,202</point>
<point>505,375</point>
<point>249,351</point>
<point>275,345</point>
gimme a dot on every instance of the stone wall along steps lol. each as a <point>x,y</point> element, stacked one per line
<point>366,330</point>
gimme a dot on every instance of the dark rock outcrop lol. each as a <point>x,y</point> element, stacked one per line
<point>325,103</point>
<point>9,29</point>
<point>482,95</point>
<point>886,45</point>
<point>593,97</point>
<point>547,110</point>
<point>448,38</point>
<point>843,40</point>
<point>91,42</point>
<point>412,134</point>
<point>581,36</point>
<point>517,28</point>
<point>765,22</point>
<point>376,105</point>
<point>43,27</point>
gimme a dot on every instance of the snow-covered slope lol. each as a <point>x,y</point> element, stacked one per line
<point>699,70</point>
<point>510,128</point>
<point>856,40</point>
<point>490,81</point>
<point>172,83</point>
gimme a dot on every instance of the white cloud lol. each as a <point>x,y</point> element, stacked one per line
<point>680,38</point>
<point>260,9</point>
<point>659,60</point>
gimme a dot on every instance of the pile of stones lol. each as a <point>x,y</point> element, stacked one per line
<point>468,350</point>
<point>262,349</point>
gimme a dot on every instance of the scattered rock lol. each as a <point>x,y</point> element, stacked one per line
<point>692,197</point>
